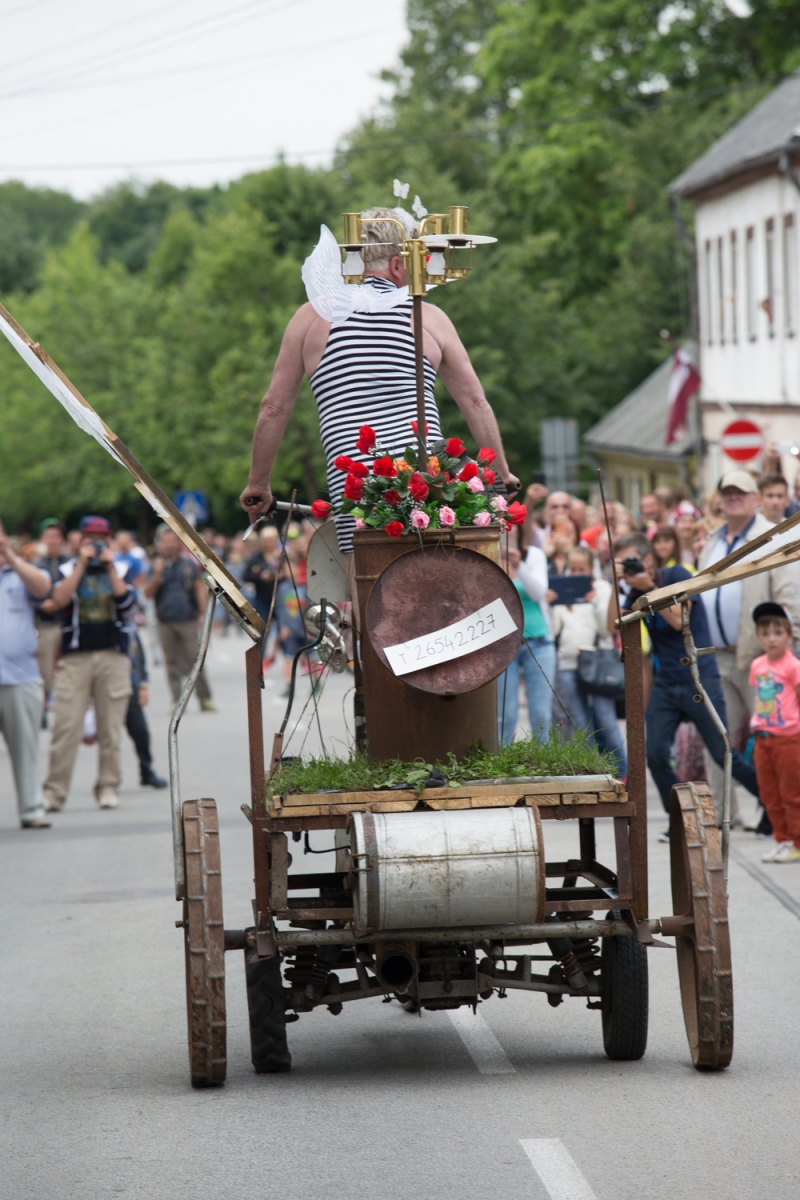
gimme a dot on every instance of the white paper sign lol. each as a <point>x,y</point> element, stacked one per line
<point>489,624</point>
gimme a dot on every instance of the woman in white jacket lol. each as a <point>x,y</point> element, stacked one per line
<point>576,627</point>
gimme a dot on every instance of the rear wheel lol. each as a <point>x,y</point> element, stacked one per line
<point>204,941</point>
<point>702,936</point>
<point>624,996</point>
<point>266,1006</point>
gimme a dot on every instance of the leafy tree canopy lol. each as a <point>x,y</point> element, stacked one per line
<point>559,122</point>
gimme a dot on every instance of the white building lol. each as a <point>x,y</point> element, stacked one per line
<point>746,189</point>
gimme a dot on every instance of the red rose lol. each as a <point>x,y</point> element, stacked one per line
<point>366,439</point>
<point>468,471</point>
<point>359,470</point>
<point>343,463</point>
<point>384,467</point>
<point>353,488</point>
<point>516,513</point>
<point>486,455</point>
<point>415,427</point>
<point>489,476</point>
<point>395,528</point>
<point>455,447</point>
<point>392,497</point>
<point>321,509</point>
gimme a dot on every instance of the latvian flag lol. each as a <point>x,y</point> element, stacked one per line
<point>684,381</point>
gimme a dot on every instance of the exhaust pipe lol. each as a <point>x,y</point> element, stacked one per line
<point>396,964</point>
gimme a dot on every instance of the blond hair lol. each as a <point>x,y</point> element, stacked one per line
<point>383,230</point>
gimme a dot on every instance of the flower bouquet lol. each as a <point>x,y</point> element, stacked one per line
<point>394,495</point>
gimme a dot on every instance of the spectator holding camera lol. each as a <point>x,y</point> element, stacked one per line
<point>94,604</point>
<point>672,697</point>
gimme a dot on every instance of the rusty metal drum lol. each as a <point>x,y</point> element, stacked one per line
<point>425,870</point>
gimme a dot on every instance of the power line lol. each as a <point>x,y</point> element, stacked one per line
<point>603,114</point>
<point>89,37</point>
<point>23,8</point>
<point>168,72</point>
<point>139,49</point>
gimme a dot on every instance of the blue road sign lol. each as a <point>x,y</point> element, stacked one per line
<point>193,506</point>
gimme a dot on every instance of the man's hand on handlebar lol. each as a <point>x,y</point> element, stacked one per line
<point>512,484</point>
<point>256,500</point>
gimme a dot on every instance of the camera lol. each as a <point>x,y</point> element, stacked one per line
<point>632,566</point>
<point>94,566</point>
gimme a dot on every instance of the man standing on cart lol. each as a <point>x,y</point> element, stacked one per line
<point>356,346</point>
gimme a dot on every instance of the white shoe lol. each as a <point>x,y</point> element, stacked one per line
<point>772,855</point>
<point>107,798</point>
<point>788,853</point>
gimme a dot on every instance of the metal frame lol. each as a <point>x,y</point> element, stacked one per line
<point>175,720</point>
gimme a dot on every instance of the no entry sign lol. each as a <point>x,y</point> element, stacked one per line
<point>742,440</point>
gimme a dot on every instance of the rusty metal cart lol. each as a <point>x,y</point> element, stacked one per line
<point>446,897</point>
<point>463,941</point>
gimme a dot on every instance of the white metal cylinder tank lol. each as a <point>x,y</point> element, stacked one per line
<point>426,870</point>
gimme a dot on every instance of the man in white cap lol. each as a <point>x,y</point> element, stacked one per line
<point>728,608</point>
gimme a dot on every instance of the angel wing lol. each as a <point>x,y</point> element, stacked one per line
<point>322,274</point>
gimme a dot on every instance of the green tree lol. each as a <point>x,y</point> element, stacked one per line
<point>31,219</point>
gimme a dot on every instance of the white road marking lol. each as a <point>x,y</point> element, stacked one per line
<point>484,1049</point>
<point>556,1168</point>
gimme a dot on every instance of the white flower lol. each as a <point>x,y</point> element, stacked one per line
<point>418,208</point>
<point>401,189</point>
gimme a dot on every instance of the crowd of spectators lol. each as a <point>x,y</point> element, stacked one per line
<point>73,604</point>
<point>668,540</point>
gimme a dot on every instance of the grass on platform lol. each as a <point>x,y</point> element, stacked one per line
<point>576,756</point>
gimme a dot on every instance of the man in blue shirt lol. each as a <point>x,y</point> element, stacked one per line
<point>672,698</point>
<point>21,693</point>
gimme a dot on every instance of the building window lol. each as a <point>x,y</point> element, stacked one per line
<point>721,288</point>
<point>708,307</point>
<point>790,275</point>
<point>733,282</point>
<point>768,304</point>
<point>750,284</point>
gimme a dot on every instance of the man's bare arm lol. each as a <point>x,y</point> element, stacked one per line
<point>276,408</point>
<point>460,379</point>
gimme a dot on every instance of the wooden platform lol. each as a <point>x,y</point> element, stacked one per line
<point>565,790</point>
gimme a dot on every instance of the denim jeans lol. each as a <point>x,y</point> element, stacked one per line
<point>597,714</point>
<point>669,705</point>
<point>538,686</point>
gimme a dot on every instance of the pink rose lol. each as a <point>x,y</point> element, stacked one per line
<point>482,518</point>
<point>474,485</point>
<point>419,519</point>
<point>359,523</point>
<point>499,504</point>
<point>446,515</point>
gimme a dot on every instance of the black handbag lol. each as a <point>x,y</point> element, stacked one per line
<point>601,672</point>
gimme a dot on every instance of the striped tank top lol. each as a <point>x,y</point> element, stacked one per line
<point>366,377</point>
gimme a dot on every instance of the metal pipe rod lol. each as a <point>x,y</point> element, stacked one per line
<point>540,932</point>
<point>727,772</point>
<point>590,988</point>
<point>419,366</point>
<point>178,711</point>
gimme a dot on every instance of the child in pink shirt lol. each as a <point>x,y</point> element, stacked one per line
<point>775,675</point>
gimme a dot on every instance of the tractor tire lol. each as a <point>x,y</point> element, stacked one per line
<point>266,1007</point>
<point>624,996</point>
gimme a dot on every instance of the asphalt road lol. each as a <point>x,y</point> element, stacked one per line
<point>519,1102</point>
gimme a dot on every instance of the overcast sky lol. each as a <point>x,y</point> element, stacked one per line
<point>92,92</point>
